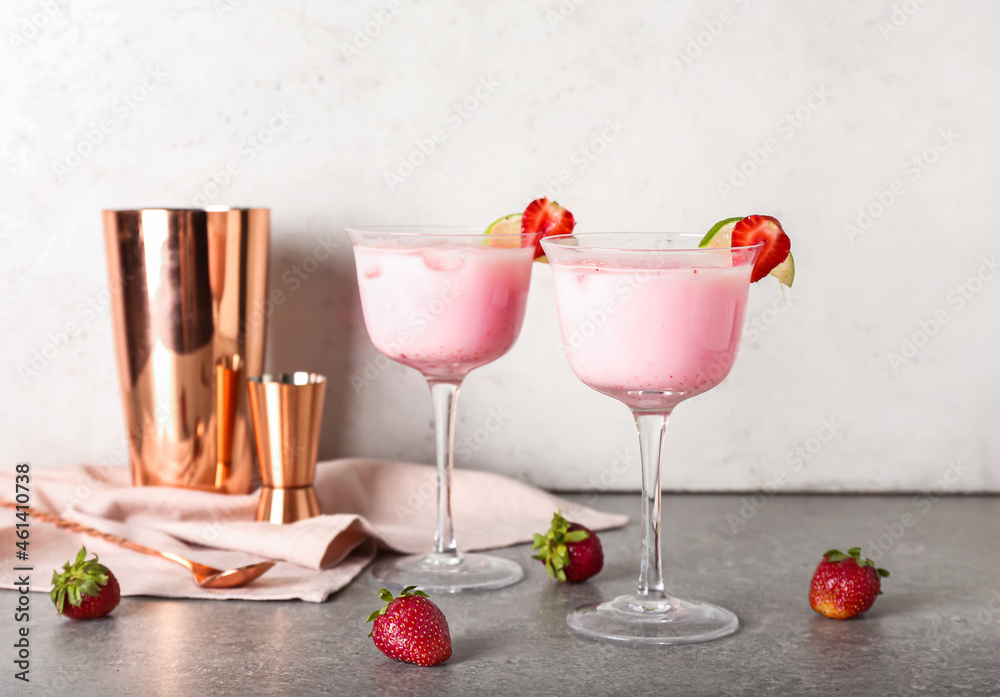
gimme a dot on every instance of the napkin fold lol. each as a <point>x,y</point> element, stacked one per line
<point>366,504</point>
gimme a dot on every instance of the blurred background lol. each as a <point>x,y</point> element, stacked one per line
<point>867,127</point>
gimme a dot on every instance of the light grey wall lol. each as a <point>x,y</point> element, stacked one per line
<point>868,128</point>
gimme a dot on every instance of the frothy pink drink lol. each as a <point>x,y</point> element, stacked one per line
<point>444,311</point>
<point>651,337</point>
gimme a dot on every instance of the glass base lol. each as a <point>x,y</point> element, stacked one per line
<point>653,621</point>
<point>445,573</point>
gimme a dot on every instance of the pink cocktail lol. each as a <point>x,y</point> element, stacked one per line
<point>651,335</point>
<point>444,311</point>
<point>651,320</point>
<point>444,301</point>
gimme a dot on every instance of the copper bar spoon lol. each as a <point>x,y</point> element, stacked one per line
<point>204,576</point>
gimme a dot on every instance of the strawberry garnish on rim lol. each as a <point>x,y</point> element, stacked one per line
<point>762,228</point>
<point>548,218</point>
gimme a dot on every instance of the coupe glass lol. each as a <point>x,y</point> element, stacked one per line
<point>651,320</point>
<point>443,301</point>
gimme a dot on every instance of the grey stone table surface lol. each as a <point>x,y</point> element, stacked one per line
<point>936,629</point>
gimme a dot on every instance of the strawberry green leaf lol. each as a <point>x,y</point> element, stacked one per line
<point>835,555</point>
<point>59,598</point>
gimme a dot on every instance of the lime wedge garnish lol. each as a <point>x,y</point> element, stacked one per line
<point>721,235</point>
<point>507,225</point>
<point>785,271</point>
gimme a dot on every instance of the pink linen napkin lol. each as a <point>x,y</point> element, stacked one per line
<point>366,504</point>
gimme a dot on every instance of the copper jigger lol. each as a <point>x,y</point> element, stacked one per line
<point>189,309</point>
<point>287,412</point>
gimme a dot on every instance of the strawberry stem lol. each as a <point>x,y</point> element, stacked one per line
<point>835,555</point>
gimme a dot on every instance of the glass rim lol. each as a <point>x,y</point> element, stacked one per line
<point>558,242</point>
<point>426,231</point>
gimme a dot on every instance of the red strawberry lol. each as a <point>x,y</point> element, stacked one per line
<point>762,228</point>
<point>548,218</point>
<point>92,590</point>
<point>569,551</point>
<point>411,628</point>
<point>845,585</point>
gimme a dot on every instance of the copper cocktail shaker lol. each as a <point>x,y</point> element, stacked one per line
<point>188,291</point>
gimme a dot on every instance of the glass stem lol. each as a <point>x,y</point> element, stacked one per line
<point>445,395</point>
<point>652,428</point>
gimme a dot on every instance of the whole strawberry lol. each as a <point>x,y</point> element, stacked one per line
<point>845,585</point>
<point>571,553</point>
<point>411,628</point>
<point>89,587</point>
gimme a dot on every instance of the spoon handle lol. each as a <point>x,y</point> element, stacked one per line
<point>77,527</point>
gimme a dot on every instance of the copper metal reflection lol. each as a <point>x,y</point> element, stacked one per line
<point>204,576</point>
<point>188,294</point>
<point>287,416</point>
